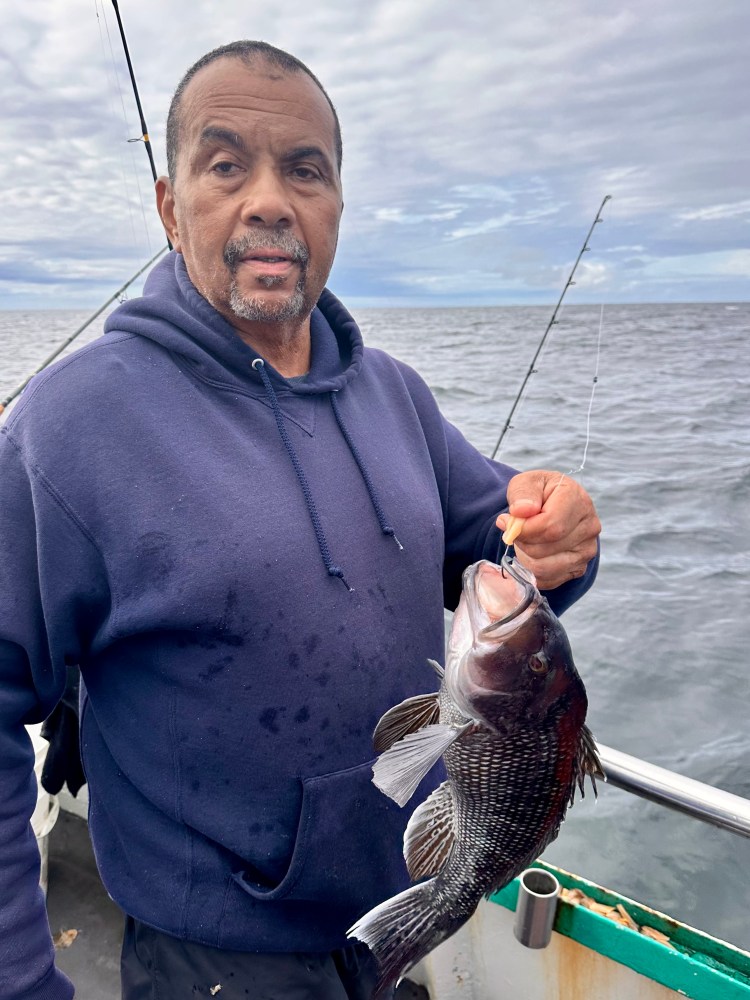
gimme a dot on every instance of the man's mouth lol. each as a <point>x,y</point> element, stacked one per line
<point>268,258</point>
<point>268,264</point>
<point>283,251</point>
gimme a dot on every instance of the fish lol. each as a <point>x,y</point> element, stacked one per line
<point>509,723</point>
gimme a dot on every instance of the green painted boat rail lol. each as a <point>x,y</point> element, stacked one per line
<point>694,963</point>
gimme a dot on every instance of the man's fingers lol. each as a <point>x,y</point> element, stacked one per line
<point>524,507</point>
<point>526,492</point>
<point>550,538</point>
<point>553,524</point>
<point>553,571</point>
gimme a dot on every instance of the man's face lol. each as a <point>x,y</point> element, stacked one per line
<point>256,201</point>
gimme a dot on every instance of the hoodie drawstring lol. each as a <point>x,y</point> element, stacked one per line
<point>312,510</point>
<point>374,499</point>
<point>332,570</point>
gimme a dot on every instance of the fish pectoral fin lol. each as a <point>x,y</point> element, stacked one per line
<point>399,770</point>
<point>430,834</point>
<point>406,717</point>
<point>587,762</point>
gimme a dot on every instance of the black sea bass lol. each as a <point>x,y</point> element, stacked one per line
<point>509,723</point>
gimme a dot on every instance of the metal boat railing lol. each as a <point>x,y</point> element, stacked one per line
<point>686,795</point>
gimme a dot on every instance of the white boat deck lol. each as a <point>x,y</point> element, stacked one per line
<point>77,900</point>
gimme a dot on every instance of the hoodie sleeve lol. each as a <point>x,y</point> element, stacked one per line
<point>473,491</point>
<point>52,589</point>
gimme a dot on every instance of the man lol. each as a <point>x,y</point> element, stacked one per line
<point>244,527</point>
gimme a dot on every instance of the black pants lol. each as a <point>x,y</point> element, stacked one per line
<point>157,966</point>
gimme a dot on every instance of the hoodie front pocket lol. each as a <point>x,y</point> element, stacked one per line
<point>348,845</point>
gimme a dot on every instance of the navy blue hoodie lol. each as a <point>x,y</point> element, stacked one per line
<point>249,572</point>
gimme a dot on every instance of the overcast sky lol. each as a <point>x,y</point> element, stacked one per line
<point>479,141</point>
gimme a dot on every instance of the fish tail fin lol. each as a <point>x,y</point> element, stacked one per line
<point>402,930</point>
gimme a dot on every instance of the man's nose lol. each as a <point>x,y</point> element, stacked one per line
<point>266,199</point>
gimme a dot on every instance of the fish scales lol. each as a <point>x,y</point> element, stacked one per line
<point>507,788</point>
<point>508,722</point>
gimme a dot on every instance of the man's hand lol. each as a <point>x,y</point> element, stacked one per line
<point>559,533</point>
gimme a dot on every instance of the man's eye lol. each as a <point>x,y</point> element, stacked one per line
<point>223,167</point>
<point>305,173</point>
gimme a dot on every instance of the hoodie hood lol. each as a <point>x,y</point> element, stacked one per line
<point>174,314</point>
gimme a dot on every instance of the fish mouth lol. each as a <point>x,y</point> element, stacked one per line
<point>496,603</point>
<point>501,604</point>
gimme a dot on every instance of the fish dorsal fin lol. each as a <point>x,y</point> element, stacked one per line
<point>430,834</point>
<point>587,762</point>
<point>399,770</point>
<point>406,717</point>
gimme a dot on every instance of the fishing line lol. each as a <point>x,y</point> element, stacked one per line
<point>594,383</point>
<point>515,524</point>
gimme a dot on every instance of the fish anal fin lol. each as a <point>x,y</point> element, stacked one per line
<point>430,834</point>
<point>406,717</point>
<point>399,770</point>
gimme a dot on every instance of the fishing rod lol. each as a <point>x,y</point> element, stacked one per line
<point>72,337</point>
<point>144,128</point>
<point>552,322</point>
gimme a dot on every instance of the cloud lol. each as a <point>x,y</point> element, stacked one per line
<point>711,212</point>
<point>719,264</point>
<point>503,221</point>
<point>402,218</point>
<point>484,143</point>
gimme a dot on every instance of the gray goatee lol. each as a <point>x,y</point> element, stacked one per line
<point>252,308</point>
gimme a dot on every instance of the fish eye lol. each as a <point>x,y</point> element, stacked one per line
<point>539,663</point>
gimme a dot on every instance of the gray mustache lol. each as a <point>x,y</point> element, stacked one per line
<point>265,239</point>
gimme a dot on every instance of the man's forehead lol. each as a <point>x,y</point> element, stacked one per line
<point>232,84</point>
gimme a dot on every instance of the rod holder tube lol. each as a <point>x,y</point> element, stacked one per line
<point>538,893</point>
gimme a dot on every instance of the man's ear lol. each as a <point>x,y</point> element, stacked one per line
<point>165,207</point>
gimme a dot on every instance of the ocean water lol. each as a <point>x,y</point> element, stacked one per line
<point>662,640</point>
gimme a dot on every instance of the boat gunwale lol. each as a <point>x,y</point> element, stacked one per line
<point>697,965</point>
